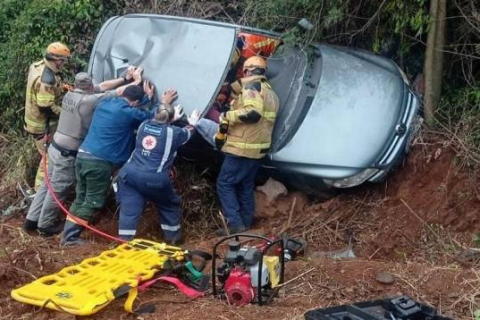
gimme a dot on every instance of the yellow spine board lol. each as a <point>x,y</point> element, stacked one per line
<point>87,287</point>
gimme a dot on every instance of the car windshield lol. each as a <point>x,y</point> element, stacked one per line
<point>286,73</point>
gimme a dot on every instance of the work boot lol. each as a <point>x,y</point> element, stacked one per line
<point>126,238</point>
<point>50,231</point>
<point>221,232</point>
<point>71,234</point>
<point>30,225</point>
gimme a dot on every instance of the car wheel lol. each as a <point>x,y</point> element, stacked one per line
<point>319,190</point>
<point>311,186</point>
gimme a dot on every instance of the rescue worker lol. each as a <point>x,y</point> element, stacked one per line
<point>250,126</point>
<point>255,45</point>
<point>146,175</point>
<point>77,111</point>
<point>43,98</point>
<point>109,143</point>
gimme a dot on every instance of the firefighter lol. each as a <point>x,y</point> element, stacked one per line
<point>146,176</point>
<point>250,126</point>
<point>43,97</point>
<point>255,45</point>
<point>78,106</point>
<point>108,144</point>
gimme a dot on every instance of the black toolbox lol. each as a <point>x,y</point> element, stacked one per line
<point>401,308</point>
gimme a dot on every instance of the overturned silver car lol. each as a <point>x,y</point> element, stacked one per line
<point>346,116</point>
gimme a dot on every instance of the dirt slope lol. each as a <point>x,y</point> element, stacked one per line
<point>416,226</point>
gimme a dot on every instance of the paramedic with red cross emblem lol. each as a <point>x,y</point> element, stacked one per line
<point>146,175</point>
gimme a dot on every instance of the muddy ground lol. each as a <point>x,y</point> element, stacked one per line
<point>418,227</point>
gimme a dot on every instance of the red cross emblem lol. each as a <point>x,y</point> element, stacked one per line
<point>149,142</point>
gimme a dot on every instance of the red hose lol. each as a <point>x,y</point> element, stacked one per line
<point>65,210</point>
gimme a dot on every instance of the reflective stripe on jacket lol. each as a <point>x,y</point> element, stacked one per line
<point>43,91</point>
<point>252,119</point>
<point>258,45</point>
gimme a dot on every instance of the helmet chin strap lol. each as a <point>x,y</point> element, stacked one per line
<point>59,63</point>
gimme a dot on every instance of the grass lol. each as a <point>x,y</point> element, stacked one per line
<point>19,160</point>
<point>199,200</point>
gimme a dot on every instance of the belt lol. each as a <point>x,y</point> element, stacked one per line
<point>64,152</point>
<point>36,136</point>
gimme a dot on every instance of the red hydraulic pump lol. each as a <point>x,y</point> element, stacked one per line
<point>248,273</point>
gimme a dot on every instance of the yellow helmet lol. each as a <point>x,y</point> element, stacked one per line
<point>57,51</point>
<point>254,63</point>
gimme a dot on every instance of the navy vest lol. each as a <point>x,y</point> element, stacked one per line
<point>156,146</point>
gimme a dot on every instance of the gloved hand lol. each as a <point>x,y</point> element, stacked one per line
<point>222,116</point>
<point>193,117</point>
<point>178,112</point>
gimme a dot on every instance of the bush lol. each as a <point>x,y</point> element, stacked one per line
<point>394,28</point>
<point>459,118</point>
<point>27,27</point>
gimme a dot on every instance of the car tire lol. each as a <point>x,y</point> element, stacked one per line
<point>313,187</point>
<point>319,189</point>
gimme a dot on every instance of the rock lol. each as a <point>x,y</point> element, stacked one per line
<point>264,209</point>
<point>385,277</point>
<point>336,254</point>
<point>272,189</point>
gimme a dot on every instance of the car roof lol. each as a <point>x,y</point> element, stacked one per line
<point>205,22</point>
<point>190,55</point>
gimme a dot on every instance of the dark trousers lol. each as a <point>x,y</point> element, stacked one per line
<point>134,189</point>
<point>235,188</point>
<point>94,178</point>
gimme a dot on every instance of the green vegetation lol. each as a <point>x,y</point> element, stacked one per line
<point>394,28</point>
<point>477,314</point>
<point>27,27</point>
<point>371,27</point>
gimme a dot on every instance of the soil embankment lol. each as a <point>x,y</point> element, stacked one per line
<point>416,227</point>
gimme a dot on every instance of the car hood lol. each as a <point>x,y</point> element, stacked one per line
<point>353,115</point>
<point>189,55</point>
